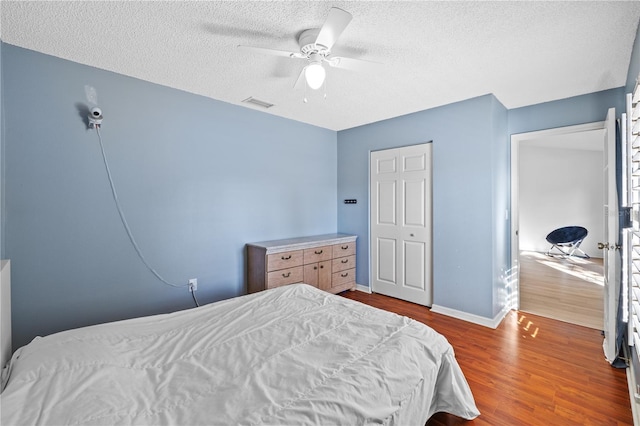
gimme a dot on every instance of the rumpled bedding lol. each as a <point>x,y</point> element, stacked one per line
<point>291,355</point>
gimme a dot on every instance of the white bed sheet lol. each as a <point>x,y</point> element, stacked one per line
<point>292,355</point>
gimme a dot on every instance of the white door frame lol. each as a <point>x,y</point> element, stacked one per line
<point>514,284</point>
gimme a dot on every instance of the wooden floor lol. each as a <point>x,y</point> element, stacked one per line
<point>531,370</point>
<point>570,290</point>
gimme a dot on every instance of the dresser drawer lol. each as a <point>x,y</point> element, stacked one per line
<point>287,259</point>
<point>343,277</point>
<point>343,263</point>
<point>284,277</point>
<point>317,254</point>
<point>345,249</point>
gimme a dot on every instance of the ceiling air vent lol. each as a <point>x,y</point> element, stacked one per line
<point>258,102</point>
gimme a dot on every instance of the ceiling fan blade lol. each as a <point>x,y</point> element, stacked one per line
<point>333,26</point>
<point>351,63</point>
<point>273,52</point>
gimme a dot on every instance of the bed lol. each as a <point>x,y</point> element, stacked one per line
<point>290,355</point>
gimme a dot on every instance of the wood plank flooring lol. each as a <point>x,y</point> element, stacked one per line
<point>570,290</point>
<point>531,370</point>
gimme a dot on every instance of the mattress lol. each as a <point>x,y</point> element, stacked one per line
<point>291,355</point>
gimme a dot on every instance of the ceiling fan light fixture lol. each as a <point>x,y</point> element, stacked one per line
<point>315,75</point>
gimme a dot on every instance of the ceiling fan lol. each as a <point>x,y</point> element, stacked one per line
<point>315,47</point>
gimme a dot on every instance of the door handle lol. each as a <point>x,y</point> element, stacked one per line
<point>608,246</point>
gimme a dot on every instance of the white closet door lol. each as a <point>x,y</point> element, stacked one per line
<point>401,240</point>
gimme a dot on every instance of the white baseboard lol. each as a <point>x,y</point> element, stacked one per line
<point>476,319</point>
<point>363,288</point>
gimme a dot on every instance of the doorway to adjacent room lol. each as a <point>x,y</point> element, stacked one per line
<point>557,181</point>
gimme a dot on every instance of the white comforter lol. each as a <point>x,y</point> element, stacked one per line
<point>292,355</point>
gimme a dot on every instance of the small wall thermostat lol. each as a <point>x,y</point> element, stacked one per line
<point>350,201</point>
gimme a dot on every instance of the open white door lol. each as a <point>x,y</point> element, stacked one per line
<point>611,245</point>
<point>401,223</point>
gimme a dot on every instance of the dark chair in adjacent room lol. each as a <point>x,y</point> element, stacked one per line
<point>567,241</point>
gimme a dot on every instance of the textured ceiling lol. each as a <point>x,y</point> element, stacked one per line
<point>430,53</point>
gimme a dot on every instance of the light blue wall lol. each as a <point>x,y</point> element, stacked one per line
<point>471,178</point>
<point>501,199</point>
<point>468,137</point>
<point>566,112</point>
<point>197,179</point>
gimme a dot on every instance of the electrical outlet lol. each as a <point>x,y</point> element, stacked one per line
<point>193,285</point>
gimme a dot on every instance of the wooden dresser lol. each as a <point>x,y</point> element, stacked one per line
<point>324,261</point>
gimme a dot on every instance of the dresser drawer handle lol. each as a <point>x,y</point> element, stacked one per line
<point>318,252</point>
<point>344,247</point>
<point>286,275</point>
<point>345,261</point>
<point>346,274</point>
<point>286,258</point>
